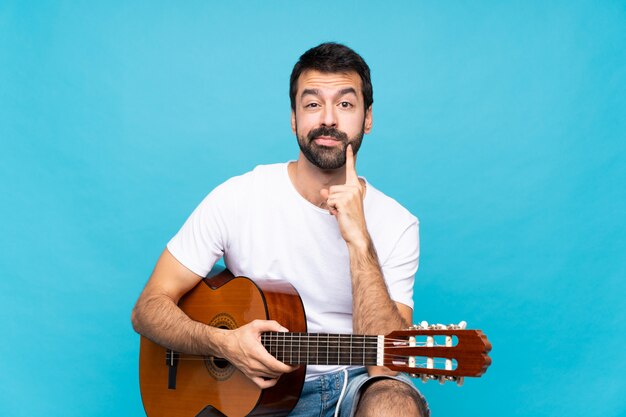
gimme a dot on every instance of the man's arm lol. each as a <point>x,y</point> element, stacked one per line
<point>373,310</point>
<point>158,317</point>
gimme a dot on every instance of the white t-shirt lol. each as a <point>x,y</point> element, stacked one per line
<point>265,229</point>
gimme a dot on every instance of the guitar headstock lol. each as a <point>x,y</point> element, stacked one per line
<point>437,351</point>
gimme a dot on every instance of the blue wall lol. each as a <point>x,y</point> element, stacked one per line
<point>500,124</point>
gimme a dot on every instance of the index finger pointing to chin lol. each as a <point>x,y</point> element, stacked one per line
<point>351,176</point>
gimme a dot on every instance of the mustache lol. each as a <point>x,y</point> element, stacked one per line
<point>327,131</point>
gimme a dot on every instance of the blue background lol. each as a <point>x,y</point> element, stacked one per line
<point>500,124</point>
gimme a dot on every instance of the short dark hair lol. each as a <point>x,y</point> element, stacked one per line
<point>331,57</point>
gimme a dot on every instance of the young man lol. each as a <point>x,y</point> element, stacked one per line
<point>350,251</point>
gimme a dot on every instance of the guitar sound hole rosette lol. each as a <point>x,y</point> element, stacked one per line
<point>219,368</point>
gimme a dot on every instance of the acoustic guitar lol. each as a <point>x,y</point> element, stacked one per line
<point>175,384</point>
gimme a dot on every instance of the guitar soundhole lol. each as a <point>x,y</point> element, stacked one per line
<point>220,368</point>
<point>221,363</point>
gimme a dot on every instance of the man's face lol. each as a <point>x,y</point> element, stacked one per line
<point>329,115</point>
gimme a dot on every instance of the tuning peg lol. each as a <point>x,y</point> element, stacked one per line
<point>459,381</point>
<point>442,379</point>
<point>461,326</point>
<point>421,326</point>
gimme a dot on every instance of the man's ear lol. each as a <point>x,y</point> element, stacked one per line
<point>293,121</point>
<point>367,125</point>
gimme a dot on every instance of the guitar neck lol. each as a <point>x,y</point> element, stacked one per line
<point>324,348</point>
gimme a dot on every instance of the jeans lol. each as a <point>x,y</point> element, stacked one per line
<point>320,395</point>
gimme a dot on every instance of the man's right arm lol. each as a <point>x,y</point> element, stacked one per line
<point>158,317</point>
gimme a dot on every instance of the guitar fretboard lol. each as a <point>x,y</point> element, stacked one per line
<point>321,348</point>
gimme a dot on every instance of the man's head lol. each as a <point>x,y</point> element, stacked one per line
<point>331,98</point>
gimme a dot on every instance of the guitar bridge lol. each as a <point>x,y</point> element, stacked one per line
<point>171,360</point>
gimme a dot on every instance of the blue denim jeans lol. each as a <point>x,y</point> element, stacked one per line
<point>320,395</point>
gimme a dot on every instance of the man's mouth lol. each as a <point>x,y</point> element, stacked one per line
<point>326,141</point>
<point>327,136</point>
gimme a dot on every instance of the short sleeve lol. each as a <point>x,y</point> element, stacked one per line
<point>204,237</point>
<point>401,265</point>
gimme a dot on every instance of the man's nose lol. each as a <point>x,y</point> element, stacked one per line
<point>329,118</point>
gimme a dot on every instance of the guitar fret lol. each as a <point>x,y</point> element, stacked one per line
<point>299,348</point>
<point>290,348</point>
<point>327,347</point>
<point>350,359</point>
<point>274,345</point>
<point>344,350</point>
<point>372,350</point>
<point>317,351</point>
<point>363,350</point>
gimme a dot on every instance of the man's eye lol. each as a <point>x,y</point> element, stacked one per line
<point>312,105</point>
<point>345,104</point>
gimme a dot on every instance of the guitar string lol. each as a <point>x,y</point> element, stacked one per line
<point>346,335</point>
<point>437,364</point>
<point>342,342</point>
<point>199,357</point>
<point>298,338</point>
<point>330,353</point>
<point>371,346</point>
<point>412,333</point>
<point>387,344</point>
<point>436,361</point>
<point>337,338</point>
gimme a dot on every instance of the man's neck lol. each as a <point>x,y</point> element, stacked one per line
<point>308,179</point>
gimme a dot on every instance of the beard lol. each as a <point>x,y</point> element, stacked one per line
<point>328,157</point>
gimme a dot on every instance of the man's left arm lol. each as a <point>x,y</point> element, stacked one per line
<point>374,312</point>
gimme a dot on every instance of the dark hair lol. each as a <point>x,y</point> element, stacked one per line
<point>331,57</point>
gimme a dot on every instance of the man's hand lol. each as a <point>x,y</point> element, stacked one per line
<point>345,202</point>
<point>243,349</point>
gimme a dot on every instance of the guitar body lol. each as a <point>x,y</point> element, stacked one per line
<point>204,386</point>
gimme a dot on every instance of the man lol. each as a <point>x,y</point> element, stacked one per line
<point>350,251</point>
